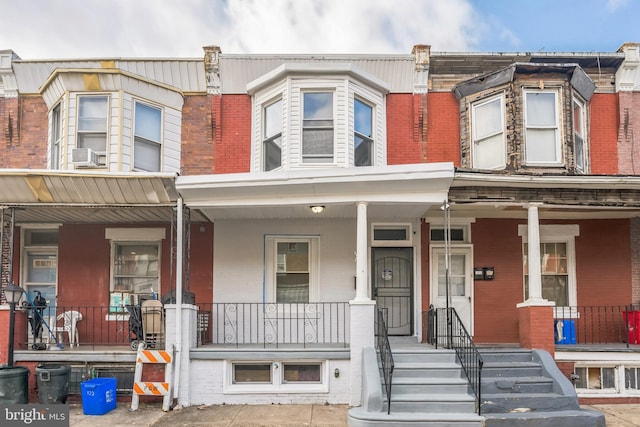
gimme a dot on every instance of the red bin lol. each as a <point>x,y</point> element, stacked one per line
<point>632,319</point>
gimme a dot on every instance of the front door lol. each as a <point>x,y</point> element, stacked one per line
<point>40,278</point>
<point>460,282</point>
<point>392,287</point>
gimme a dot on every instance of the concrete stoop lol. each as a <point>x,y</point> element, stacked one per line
<point>519,388</point>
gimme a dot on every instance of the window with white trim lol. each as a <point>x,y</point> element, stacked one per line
<point>542,127</point>
<point>56,136</point>
<point>147,144</point>
<point>596,378</point>
<point>488,133</point>
<point>284,376</point>
<point>363,133</point>
<point>93,122</point>
<point>136,267</point>
<point>317,127</point>
<point>272,143</point>
<point>557,263</point>
<point>292,269</point>
<point>580,135</point>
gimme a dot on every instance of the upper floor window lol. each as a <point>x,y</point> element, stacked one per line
<point>92,123</point>
<point>272,144</point>
<point>147,138</point>
<point>488,143</point>
<point>317,127</point>
<point>579,135</point>
<point>542,142</point>
<point>363,133</point>
<point>56,136</point>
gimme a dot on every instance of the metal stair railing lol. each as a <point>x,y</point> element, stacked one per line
<point>386,357</point>
<point>445,328</point>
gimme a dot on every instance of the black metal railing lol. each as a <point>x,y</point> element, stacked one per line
<point>445,329</point>
<point>594,325</point>
<point>88,327</point>
<point>274,324</point>
<point>384,351</point>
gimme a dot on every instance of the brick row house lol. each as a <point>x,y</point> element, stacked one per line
<point>274,203</point>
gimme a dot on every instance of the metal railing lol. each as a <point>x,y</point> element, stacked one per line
<point>88,327</point>
<point>386,356</point>
<point>445,329</point>
<point>594,325</point>
<point>274,324</point>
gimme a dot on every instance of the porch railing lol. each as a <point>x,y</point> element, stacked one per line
<point>274,324</point>
<point>597,325</point>
<point>88,327</point>
<point>384,351</point>
<point>445,329</point>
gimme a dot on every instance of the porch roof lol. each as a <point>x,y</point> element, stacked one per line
<point>486,194</point>
<point>398,191</point>
<point>46,196</point>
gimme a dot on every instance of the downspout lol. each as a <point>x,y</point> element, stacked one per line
<point>179,275</point>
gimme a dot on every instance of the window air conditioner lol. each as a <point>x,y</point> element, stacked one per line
<point>84,157</point>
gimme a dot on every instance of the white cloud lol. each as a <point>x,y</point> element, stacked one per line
<point>92,28</point>
<point>614,5</point>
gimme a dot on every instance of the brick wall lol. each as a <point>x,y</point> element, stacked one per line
<point>403,145</point>
<point>443,128</point>
<point>603,270</point>
<point>232,129</point>
<point>23,133</point>
<point>197,136</point>
<point>603,133</point>
<point>629,133</point>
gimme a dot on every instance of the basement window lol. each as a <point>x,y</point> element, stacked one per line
<point>596,378</point>
<point>276,376</point>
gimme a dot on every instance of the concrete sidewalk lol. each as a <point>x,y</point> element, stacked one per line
<point>215,415</point>
<point>271,415</point>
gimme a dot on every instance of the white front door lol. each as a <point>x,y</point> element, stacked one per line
<point>40,278</point>
<point>460,282</point>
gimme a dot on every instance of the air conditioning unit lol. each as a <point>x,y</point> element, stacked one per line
<point>84,157</point>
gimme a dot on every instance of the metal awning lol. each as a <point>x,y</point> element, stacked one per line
<point>46,196</point>
<point>399,191</point>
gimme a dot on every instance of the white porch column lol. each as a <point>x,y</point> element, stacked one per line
<point>186,340</point>
<point>362,264</point>
<point>362,309</point>
<point>533,257</point>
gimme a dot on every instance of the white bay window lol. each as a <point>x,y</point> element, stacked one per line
<point>489,149</point>
<point>542,139</point>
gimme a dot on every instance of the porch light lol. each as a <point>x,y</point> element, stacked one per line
<point>12,294</point>
<point>317,209</point>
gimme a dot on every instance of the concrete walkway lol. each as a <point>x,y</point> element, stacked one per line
<point>270,415</point>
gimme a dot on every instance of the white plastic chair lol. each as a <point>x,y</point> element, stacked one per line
<point>70,321</point>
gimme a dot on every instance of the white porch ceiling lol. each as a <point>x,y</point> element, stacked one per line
<point>400,191</point>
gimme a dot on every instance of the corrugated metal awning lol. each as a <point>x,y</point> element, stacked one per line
<point>89,197</point>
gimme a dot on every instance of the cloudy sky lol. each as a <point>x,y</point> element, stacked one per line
<point>37,29</point>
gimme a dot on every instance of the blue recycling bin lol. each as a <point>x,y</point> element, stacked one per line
<point>98,396</point>
<point>564,331</point>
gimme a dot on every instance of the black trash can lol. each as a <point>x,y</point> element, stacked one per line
<point>53,383</point>
<point>14,385</point>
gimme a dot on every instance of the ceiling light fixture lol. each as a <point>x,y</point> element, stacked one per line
<point>317,209</point>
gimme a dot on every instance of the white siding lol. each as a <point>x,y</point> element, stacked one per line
<point>240,257</point>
